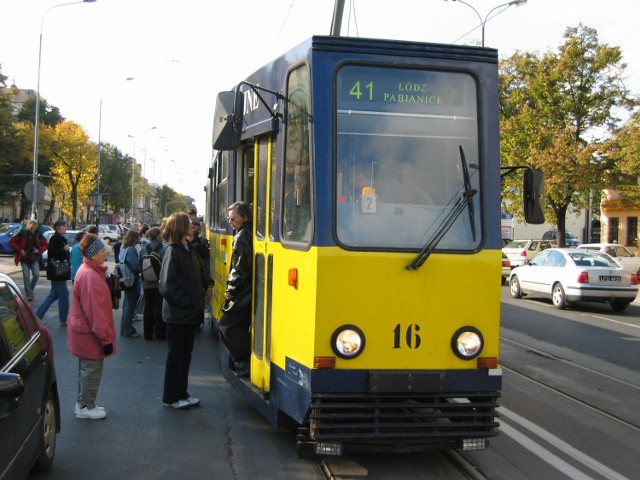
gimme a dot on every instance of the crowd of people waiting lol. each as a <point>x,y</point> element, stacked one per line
<point>175,294</point>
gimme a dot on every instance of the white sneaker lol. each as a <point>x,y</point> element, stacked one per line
<point>77,408</point>
<point>193,401</point>
<point>180,404</point>
<point>93,414</point>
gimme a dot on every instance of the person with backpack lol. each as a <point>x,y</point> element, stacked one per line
<point>149,263</point>
<point>29,244</point>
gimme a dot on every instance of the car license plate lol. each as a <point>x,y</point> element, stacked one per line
<point>610,278</point>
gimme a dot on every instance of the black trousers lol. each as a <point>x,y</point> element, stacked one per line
<point>152,315</point>
<point>180,338</point>
<point>235,334</point>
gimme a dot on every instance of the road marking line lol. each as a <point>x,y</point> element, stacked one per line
<point>610,320</point>
<point>561,445</point>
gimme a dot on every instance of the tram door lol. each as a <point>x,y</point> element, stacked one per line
<point>263,262</point>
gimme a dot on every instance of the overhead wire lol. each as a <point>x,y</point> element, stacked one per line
<point>283,23</point>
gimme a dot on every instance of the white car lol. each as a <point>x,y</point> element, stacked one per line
<point>520,252</point>
<point>575,275</point>
<point>105,233</point>
<point>506,269</point>
<point>70,235</point>
<point>621,255</point>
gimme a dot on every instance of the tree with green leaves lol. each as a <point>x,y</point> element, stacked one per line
<point>623,150</point>
<point>169,201</point>
<point>16,154</point>
<point>554,110</point>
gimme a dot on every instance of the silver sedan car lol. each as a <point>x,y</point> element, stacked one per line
<point>575,275</point>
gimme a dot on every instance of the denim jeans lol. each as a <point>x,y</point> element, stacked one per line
<point>30,276</point>
<point>58,292</point>
<point>128,310</point>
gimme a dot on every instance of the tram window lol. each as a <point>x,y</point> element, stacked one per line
<point>245,176</point>
<point>221,190</point>
<point>272,193</point>
<point>398,165</point>
<point>261,198</point>
<point>297,215</point>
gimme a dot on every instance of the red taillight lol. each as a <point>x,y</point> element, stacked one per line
<point>523,253</point>
<point>506,263</point>
<point>634,279</point>
<point>583,277</point>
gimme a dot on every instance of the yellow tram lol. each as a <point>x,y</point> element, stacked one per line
<point>372,169</point>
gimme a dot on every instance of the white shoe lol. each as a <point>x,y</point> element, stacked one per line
<point>180,404</point>
<point>93,414</point>
<point>77,408</point>
<point>193,401</point>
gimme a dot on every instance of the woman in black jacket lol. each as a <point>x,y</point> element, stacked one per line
<point>235,323</point>
<point>58,250</point>
<point>183,285</point>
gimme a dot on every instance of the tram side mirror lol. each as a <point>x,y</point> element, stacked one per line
<point>227,121</point>
<point>533,193</point>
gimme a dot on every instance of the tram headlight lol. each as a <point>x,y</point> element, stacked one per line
<point>347,341</point>
<point>467,343</point>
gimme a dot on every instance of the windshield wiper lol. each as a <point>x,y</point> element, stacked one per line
<point>463,199</point>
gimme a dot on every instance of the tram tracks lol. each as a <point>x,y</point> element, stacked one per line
<point>592,403</point>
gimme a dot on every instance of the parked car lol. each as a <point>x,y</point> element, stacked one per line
<point>621,254</point>
<point>575,275</point>
<point>115,229</point>
<point>29,405</point>
<point>70,235</point>
<point>105,233</point>
<point>520,252</point>
<point>506,269</point>
<point>7,230</point>
<point>569,238</point>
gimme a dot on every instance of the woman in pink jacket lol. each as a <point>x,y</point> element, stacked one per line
<point>91,333</point>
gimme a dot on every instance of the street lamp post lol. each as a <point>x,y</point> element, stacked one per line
<point>36,123</point>
<point>98,200</point>
<point>133,169</point>
<point>487,17</point>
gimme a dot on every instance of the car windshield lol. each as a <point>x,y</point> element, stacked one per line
<point>593,260</point>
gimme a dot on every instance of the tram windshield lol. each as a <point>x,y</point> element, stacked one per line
<point>398,168</point>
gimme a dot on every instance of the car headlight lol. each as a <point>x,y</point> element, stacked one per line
<point>347,341</point>
<point>467,343</point>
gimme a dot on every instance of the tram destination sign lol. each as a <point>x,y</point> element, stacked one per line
<point>403,90</point>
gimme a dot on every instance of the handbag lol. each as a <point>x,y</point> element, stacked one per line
<point>114,289</point>
<point>59,270</point>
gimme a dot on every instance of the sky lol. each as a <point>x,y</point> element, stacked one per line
<point>181,53</point>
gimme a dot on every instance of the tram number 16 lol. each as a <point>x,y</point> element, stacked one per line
<point>411,336</point>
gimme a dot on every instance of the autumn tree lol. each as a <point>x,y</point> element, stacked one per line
<point>73,167</point>
<point>554,110</point>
